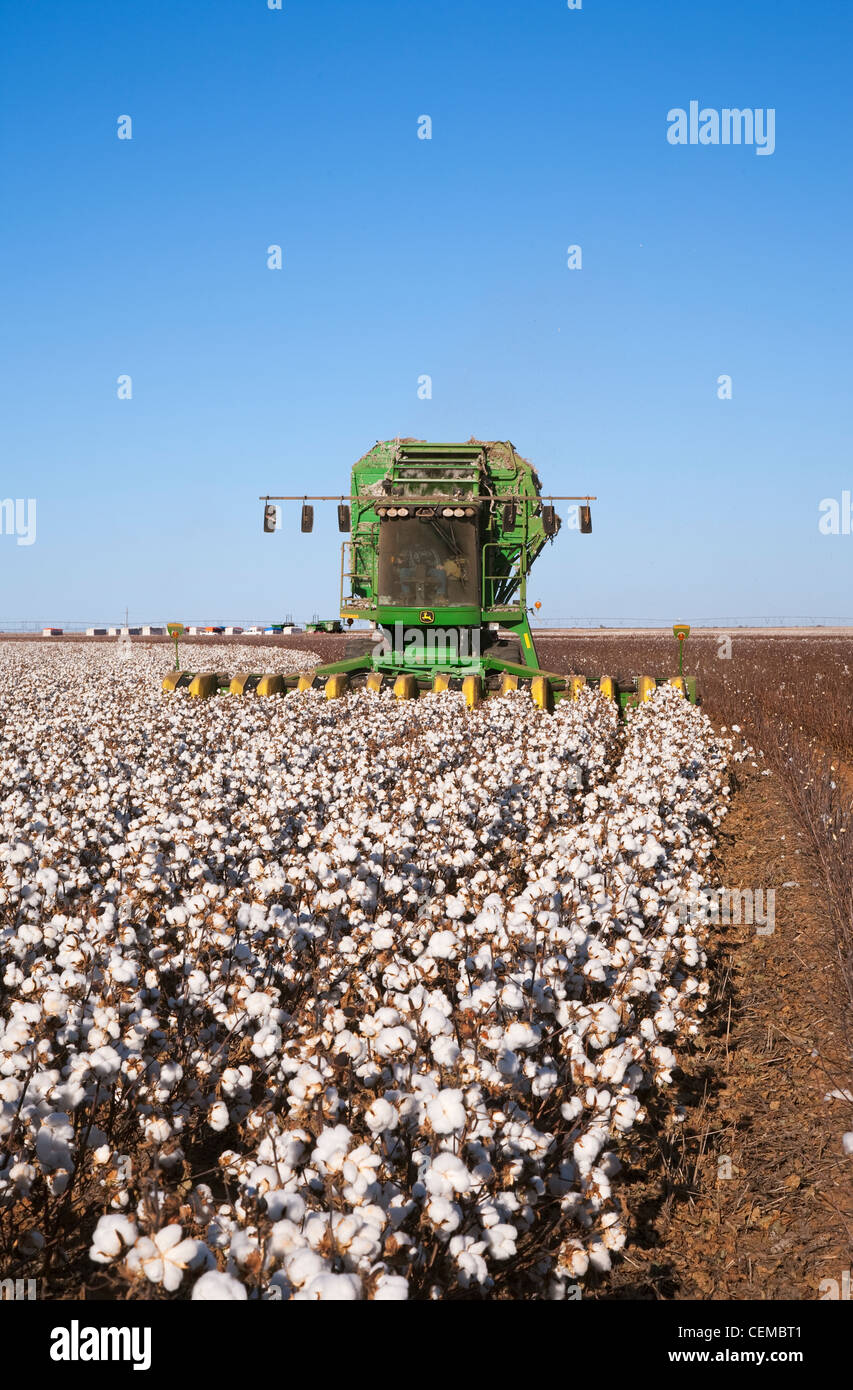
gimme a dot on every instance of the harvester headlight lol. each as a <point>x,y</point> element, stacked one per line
<point>382,511</point>
<point>458,511</point>
<point>550,521</point>
<point>447,511</point>
<point>402,511</point>
<point>469,511</point>
<point>392,511</point>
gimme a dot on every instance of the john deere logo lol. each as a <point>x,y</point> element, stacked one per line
<point>427,615</point>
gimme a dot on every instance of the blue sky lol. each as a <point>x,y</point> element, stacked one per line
<point>404,257</point>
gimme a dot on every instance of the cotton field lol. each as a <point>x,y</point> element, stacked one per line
<point>354,999</point>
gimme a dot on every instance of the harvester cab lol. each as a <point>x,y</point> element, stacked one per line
<point>442,540</point>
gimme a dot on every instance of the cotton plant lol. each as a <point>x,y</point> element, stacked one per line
<point>411,971</point>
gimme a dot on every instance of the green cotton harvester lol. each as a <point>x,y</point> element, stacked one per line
<point>442,540</point>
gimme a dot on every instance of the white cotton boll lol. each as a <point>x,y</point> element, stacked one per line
<point>604,1025</point>
<point>587,1149</point>
<point>105,1062</point>
<point>522,1035</point>
<point>614,1234</point>
<point>382,939</point>
<point>454,908</point>
<point>468,1254</point>
<point>445,1050</point>
<point>304,1265</point>
<point>599,1257</point>
<point>391,1288</point>
<point>285,1239</point>
<point>664,1060</point>
<point>446,1112</point>
<point>435,1021</point>
<point>625,1113</point>
<point>544,1080</point>
<point>573,1259</point>
<point>112,1235</point>
<point>507,1062</point>
<point>442,944</point>
<point>381,1116</point>
<point>157,1131</point>
<point>218,1117</point>
<point>444,1214</point>
<point>501,1239</point>
<point>331,1148</point>
<point>55,1004</point>
<point>394,1042</point>
<point>665,1021</point>
<point>164,1259</point>
<point>216,1287</point>
<point>512,997</point>
<point>847,1142</point>
<point>329,1288</point>
<point>447,1174</point>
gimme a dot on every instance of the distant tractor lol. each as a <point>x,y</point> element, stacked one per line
<point>324,625</point>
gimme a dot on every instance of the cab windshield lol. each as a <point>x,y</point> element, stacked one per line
<point>428,562</point>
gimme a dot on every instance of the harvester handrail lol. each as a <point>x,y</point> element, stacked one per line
<point>412,501</point>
